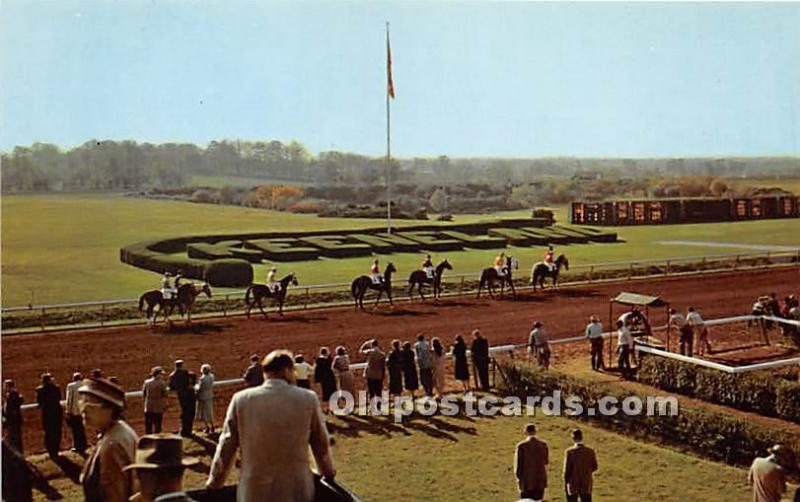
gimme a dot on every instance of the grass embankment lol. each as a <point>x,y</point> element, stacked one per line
<point>65,248</point>
<point>461,458</point>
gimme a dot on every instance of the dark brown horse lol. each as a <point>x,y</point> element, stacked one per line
<point>419,278</point>
<point>541,271</point>
<point>261,291</point>
<point>364,283</point>
<point>184,300</point>
<point>489,277</point>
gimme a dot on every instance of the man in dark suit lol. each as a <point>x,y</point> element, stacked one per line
<point>254,376</point>
<point>580,462</point>
<point>48,396</point>
<point>530,464</point>
<point>12,415</point>
<point>480,358</point>
<point>179,383</point>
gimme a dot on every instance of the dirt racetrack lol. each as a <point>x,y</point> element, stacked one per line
<point>227,343</point>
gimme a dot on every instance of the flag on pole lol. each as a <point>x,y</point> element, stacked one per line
<point>389,82</point>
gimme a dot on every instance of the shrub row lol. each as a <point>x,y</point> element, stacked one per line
<point>514,237</point>
<point>285,249</point>
<point>546,236</point>
<point>206,251</point>
<point>433,241</point>
<point>709,434</point>
<point>142,255</point>
<point>762,393</point>
<point>229,273</point>
<point>336,246</point>
<point>475,241</point>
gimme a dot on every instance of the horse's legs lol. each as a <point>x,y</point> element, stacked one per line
<point>378,299</point>
<point>411,292</point>
<point>280,305</point>
<point>261,306</point>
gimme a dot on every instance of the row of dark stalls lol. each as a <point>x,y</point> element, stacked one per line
<point>669,211</point>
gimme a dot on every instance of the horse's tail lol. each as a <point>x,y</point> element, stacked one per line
<point>354,289</point>
<point>141,302</point>
<point>247,294</point>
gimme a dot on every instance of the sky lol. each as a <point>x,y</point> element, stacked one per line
<point>474,78</point>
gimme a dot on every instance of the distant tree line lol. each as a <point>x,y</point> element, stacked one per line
<point>131,166</point>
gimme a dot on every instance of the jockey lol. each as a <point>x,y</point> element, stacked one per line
<point>500,264</point>
<point>178,279</point>
<point>166,288</point>
<point>427,267</point>
<point>375,272</point>
<point>272,283</point>
<point>548,259</point>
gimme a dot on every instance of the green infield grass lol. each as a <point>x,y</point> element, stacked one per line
<point>65,248</point>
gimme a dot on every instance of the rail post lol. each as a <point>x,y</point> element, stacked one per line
<point>305,298</point>
<point>667,271</point>
<point>766,260</point>
<point>42,319</point>
<point>736,263</point>
<point>102,314</point>
<point>225,306</point>
<point>591,273</point>
<point>630,271</point>
<point>461,286</point>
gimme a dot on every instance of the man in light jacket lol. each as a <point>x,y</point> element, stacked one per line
<point>155,395</point>
<point>272,426</point>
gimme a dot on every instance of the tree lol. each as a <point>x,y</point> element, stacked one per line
<point>438,200</point>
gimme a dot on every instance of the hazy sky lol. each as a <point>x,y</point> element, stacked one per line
<point>473,78</point>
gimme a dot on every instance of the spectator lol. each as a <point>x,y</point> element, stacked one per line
<point>74,419</point>
<point>538,345</point>
<point>594,333</point>
<point>409,365</point>
<point>17,483</point>
<point>376,367</point>
<point>438,359</point>
<point>768,474</point>
<point>461,365</point>
<point>12,415</point>
<point>97,373</point>
<point>187,419</point>
<point>580,463</point>
<point>323,375</point>
<point>103,478</point>
<point>159,466</point>
<point>273,426</point>
<point>480,358</point>
<point>395,365</point>
<point>341,365</point>
<point>685,340</point>
<point>530,465</point>
<point>254,376</point>
<point>303,372</point>
<point>425,362</point>
<point>205,399</point>
<point>155,394</point>
<point>697,325</point>
<point>179,383</point>
<point>48,397</point>
<point>624,347</point>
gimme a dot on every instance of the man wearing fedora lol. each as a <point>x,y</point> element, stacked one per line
<point>768,474</point>
<point>155,395</point>
<point>273,426</point>
<point>102,403</point>
<point>179,383</point>
<point>159,466</point>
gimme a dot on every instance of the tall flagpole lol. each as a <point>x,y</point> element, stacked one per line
<point>389,91</point>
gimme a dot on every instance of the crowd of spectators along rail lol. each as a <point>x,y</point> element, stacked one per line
<point>114,466</point>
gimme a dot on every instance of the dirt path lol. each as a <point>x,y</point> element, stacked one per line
<point>227,343</point>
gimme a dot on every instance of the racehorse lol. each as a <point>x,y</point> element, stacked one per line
<point>261,291</point>
<point>184,300</point>
<point>364,283</point>
<point>489,276</point>
<point>540,271</point>
<point>420,278</point>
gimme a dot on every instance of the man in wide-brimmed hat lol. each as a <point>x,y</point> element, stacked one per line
<point>159,468</point>
<point>102,403</point>
<point>768,474</point>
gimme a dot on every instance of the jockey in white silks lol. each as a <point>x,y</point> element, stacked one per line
<point>167,291</point>
<point>500,264</point>
<point>549,260</point>
<point>375,272</point>
<point>272,282</point>
<point>427,267</point>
